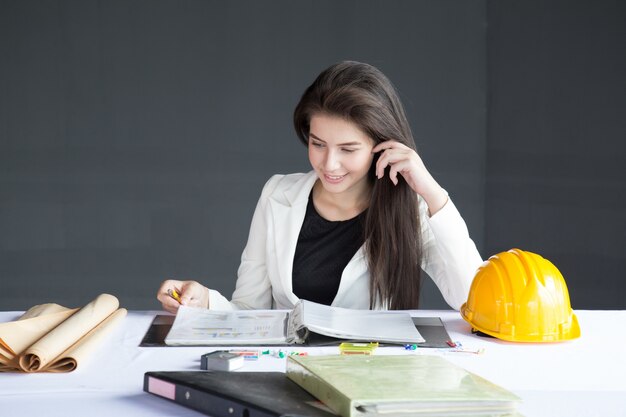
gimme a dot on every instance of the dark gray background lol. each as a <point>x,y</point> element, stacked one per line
<point>135,136</point>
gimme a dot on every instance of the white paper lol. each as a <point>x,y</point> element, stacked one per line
<point>370,325</point>
<point>198,326</point>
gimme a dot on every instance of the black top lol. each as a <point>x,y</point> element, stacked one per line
<point>324,249</point>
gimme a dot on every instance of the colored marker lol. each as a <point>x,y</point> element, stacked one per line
<point>248,355</point>
<point>174,294</point>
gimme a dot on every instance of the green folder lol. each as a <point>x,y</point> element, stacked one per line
<point>401,385</point>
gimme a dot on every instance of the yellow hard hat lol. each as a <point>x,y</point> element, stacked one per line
<point>520,297</point>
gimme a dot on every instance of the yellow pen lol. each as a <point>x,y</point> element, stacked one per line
<point>174,294</point>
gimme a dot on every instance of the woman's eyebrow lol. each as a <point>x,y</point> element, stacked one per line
<point>339,144</point>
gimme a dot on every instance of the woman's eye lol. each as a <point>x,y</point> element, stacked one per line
<point>348,150</point>
<point>317,144</point>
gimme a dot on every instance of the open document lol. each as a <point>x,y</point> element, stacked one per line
<point>197,326</point>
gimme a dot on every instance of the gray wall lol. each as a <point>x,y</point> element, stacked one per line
<point>556,154</point>
<point>135,136</point>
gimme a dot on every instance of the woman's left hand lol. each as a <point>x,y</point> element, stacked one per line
<point>405,161</point>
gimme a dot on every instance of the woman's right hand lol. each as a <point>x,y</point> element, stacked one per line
<point>192,294</point>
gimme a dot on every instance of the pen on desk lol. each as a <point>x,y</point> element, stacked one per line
<point>174,294</point>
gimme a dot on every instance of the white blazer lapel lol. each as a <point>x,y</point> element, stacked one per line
<point>288,210</point>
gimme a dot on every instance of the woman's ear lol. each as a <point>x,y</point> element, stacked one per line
<point>372,171</point>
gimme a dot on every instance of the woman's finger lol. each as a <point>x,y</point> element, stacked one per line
<point>164,294</point>
<point>399,168</point>
<point>390,157</point>
<point>170,305</point>
<point>389,144</point>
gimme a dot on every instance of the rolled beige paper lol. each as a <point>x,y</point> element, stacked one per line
<point>43,310</point>
<point>81,350</point>
<point>17,336</point>
<point>66,334</point>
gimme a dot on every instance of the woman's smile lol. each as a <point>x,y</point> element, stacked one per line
<point>334,179</point>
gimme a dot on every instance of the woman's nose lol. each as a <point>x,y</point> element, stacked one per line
<point>332,161</point>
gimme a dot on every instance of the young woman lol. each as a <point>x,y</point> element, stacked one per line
<point>358,229</point>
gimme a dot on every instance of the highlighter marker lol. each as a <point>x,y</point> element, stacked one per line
<point>174,295</point>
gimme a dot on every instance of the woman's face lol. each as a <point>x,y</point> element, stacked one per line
<point>340,153</point>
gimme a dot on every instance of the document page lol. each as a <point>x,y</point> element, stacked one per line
<point>199,326</point>
<point>367,325</point>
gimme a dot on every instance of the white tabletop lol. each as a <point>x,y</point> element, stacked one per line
<point>585,377</point>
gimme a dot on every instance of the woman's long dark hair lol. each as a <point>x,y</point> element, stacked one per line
<point>363,95</point>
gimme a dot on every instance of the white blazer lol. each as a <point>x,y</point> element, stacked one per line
<point>264,281</point>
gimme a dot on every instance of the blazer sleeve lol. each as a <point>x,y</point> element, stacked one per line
<point>253,289</point>
<point>449,256</point>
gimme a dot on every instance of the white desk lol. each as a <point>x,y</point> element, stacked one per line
<point>585,377</point>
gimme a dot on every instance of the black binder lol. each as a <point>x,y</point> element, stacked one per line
<point>228,394</point>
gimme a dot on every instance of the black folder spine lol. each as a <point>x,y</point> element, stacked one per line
<point>208,403</point>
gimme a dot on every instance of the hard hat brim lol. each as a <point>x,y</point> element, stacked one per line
<point>572,333</point>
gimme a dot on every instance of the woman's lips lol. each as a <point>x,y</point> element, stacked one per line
<point>334,179</point>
